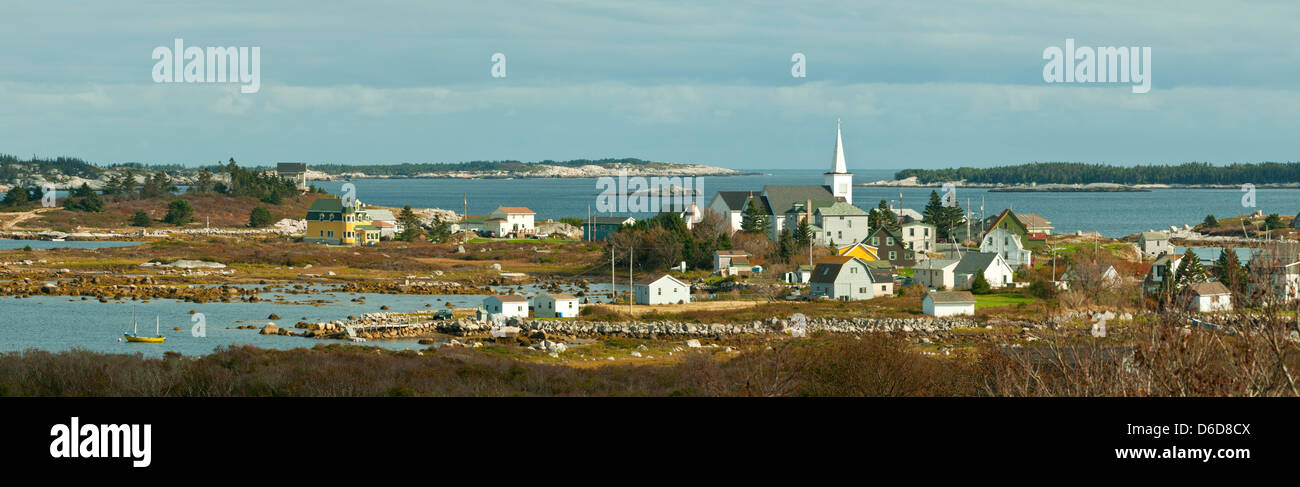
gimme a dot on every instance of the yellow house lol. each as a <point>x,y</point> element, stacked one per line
<point>329,221</point>
<point>860,250</point>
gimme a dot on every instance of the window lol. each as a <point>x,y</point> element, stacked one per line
<point>661,291</point>
<point>893,255</point>
<point>862,290</point>
<point>889,241</point>
<point>911,232</point>
<point>875,240</point>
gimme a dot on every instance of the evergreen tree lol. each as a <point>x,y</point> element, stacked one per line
<point>1210,222</point>
<point>17,196</point>
<point>259,217</point>
<point>179,212</point>
<point>141,219</point>
<point>980,285</point>
<point>83,191</point>
<point>882,215</point>
<point>410,225</point>
<point>1230,272</point>
<point>1191,271</point>
<point>754,219</point>
<point>803,234</point>
<point>946,219</point>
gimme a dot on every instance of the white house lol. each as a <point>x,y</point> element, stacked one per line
<point>661,289</point>
<point>995,270</point>
<point>508,305</point>
<point>848,278</point>
<point>1154,244</point>
<point>1007,244</point>
<point>555,306</point>
<point>948,303</point>
<point>935,273</point>
<point>506,220</point>
<point>920,237</point>
<point>1209,297</point>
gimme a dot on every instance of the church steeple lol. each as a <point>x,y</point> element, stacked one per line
<point>837,163</point>
<point>839,180</point>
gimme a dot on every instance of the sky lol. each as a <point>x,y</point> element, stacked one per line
<point>915,84</point>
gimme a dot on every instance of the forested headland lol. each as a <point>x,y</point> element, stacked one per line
<point>1192,173</point>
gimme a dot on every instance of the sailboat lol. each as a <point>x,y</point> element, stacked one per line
<point>134,336</point>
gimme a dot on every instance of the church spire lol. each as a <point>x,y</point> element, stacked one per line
<point>838,166</point>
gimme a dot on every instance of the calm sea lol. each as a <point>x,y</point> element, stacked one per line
<point>1111,214</point>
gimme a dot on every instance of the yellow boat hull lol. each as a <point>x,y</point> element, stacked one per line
<point>132,338</point>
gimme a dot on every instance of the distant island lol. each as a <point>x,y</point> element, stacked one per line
<point>1065,175</point>
<point>577,168</point>
<point>69,172</point>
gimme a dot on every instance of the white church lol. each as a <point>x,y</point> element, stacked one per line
<point>786,204</point>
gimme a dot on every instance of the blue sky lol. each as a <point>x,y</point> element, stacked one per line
<point>917,84</point>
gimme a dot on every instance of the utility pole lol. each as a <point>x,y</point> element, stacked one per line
<point>629,281</point>
<point>613,289</point>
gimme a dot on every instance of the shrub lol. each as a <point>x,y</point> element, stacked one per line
<point>179,212</point>
<point>259,217</point>
<point>141,219</point>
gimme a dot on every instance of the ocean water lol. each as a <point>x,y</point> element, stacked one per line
<point>56,323</point>
<point>1111,214</point>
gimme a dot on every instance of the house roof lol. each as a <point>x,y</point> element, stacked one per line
<point>381,214</point>
<point>561,297</point>
<point>782,197</point>
<point>1208,288</point>
<point>510,298</point>
<point>1167,258</point>
<point>951,297</point>
<point>284,167</point>
<point>333,205</point>
<point>975,262</point>
<point>829,268</point>
<point>734,200</point>
<point>382,223</point>
<point>1032,220</point>
<point>740,260</point>
<point>731,252</point>
<point>1154,236</point>
<point>881,276</point>
<point>875,252</point>
<point>936,264</point>
<point>516,210</point>
<point>841,209</point>
<point>1002,216</point>
<point>834,259</point>
<point>653,278</point>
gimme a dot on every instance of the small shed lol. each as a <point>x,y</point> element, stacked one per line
<point>948,303</point>
<point>555,306</point>
<point>508,305</point>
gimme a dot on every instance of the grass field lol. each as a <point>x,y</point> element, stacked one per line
<point>1001,299</point>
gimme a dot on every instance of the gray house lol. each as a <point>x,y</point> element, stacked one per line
<point>1154,244</point>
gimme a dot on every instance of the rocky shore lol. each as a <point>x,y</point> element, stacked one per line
<point>378,326</point>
